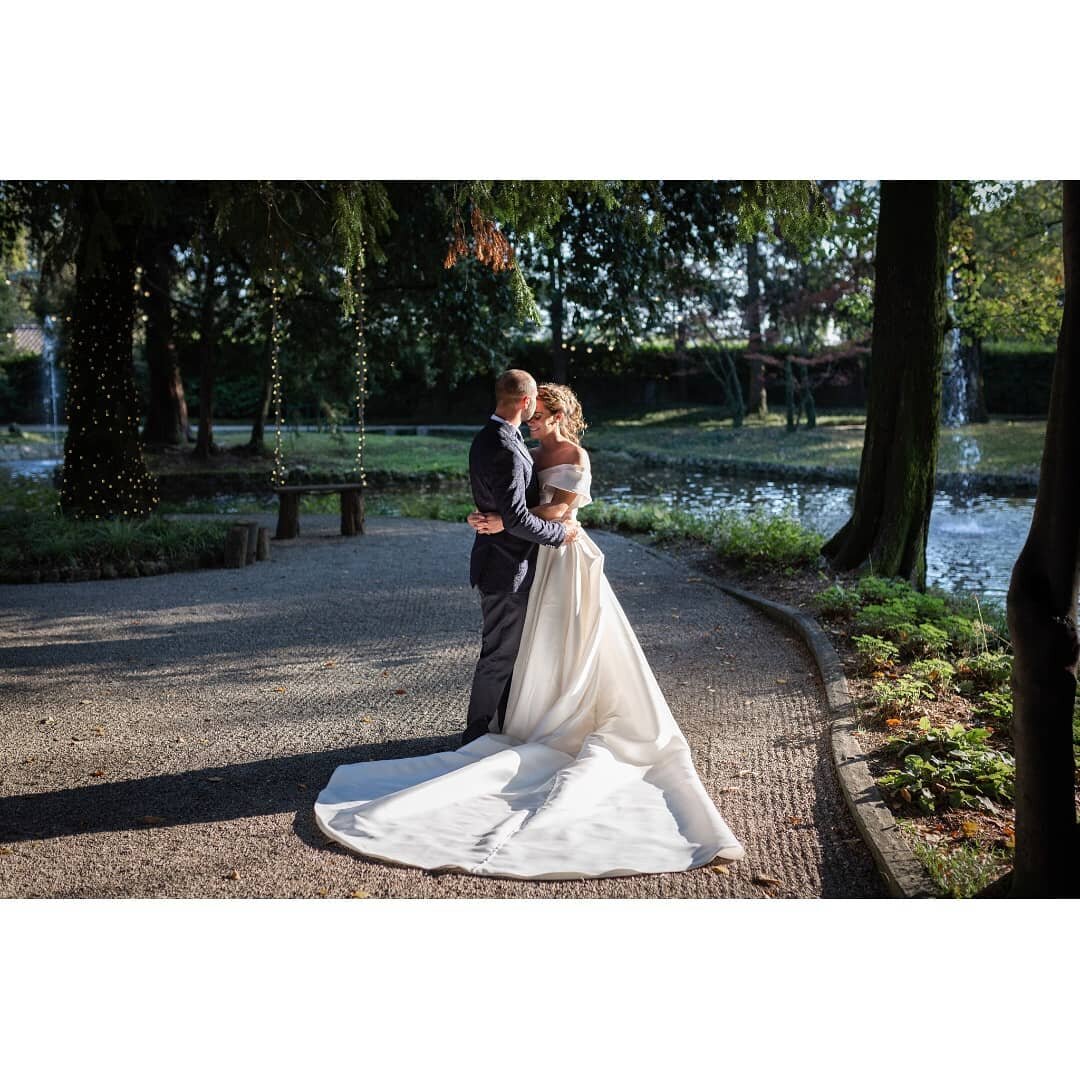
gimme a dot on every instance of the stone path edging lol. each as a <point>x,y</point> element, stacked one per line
<point>904,874</point>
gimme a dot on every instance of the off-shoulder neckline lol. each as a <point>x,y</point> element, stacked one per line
<point>565,465</point>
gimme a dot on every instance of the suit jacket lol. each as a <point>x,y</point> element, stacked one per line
<point>501,474</point>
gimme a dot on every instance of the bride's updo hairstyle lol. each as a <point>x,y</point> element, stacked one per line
<point>561,399</point>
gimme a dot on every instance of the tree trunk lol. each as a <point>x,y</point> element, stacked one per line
<point>1042,622</point>
<point>789,393</point>
<point>104,474</point>
<point>204,445</point>
<point>166,416</point>
<point>558,353</point>
<point>971,358</point>
<point>757,401</point>
<point>808,407</point>
<point>895,491</point>
<point>682,387</point>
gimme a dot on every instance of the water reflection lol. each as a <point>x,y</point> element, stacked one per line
<point>974,539</point>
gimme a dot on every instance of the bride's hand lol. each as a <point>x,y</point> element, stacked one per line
<point>485,523</point>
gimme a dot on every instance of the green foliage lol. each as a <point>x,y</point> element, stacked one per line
<point>1007,258</point>
<point>754,539</point>
<point>839,602</point>
<point>995,706</point>
<point>983,671</point>
<point>962,870</point>
<point>949,767</point>
<point>938,673</point>
<point>54,547</point>
<point>874,653</point>
<point>901,697</point>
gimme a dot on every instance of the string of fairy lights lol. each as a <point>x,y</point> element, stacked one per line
<point>361,368</point>
<point>278,475</point>
<point>103,425</point>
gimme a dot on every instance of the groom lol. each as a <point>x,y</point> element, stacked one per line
<point>503,564</point>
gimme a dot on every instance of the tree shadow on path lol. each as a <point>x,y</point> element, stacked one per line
<point>224,793</point>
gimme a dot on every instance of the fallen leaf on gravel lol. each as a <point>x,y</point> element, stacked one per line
<point>765,881</point>
<point>969,828</point>
<point>780,682</point>
<point>99,730</point>
<point>365,720</point>
<point>233,875</point>
<point>725,790</point>
<point>893,721</point>
<point>330,663</point>
<point>359,895</point>
<point>795,820</point>
<point>323,892</point>
<point>98,772</point>
<point>6,851</point>
<point>720,870</point>
<point>399,691</point>
<point>150,819</point>
<point>279,689</point>
<point>86,701</point>
<point>749,701</point>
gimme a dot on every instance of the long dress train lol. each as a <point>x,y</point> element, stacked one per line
<point>590,777</point>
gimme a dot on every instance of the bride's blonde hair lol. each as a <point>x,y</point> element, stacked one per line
<point>561,399</point>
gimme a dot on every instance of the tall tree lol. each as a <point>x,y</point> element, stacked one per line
<point>758,399</point>
<point>104,474</point>
<point>1042,601</point>
<point>895,492</point>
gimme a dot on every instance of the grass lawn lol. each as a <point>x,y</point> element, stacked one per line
<point>406,455</point>
<point>1004,446</point>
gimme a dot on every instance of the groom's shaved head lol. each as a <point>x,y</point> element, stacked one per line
<point>512,386</point>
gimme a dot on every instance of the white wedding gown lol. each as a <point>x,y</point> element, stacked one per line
<point>590,777</point>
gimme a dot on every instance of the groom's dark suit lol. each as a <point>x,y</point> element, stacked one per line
<point>502,564</point>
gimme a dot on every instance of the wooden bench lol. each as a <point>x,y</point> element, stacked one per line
<point>352,507</point>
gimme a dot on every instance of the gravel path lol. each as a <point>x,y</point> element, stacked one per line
<point>166,736</point>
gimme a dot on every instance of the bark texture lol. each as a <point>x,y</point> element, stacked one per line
<point>166,415</point>
<point>895,491</point>
<point>104,474</point>
<point>1042,623</point>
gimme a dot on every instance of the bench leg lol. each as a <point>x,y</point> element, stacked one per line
<point>288,521</point>
<point>352,513</point>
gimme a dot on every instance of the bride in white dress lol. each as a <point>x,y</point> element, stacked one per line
<point>590,776</point>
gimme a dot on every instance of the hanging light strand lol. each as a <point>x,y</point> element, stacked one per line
<point>361,365</point>
<point>277,477</point>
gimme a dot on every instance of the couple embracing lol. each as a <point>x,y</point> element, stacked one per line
<point>571,764</point>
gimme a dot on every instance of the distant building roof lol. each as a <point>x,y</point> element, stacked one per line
<point>28,338</point>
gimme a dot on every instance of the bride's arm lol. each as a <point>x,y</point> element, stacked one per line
<point>557,510</point>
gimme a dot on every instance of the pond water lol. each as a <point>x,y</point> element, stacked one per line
<point>974,539</point>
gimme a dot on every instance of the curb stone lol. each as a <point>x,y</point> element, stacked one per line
<point>904,874</point>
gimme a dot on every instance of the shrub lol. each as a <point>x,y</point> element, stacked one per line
<point>837,602</point>
<point>983,671</point>
<point>874,652</point>
<point>902,697</point>
<point>938,673</point>
<point>949,767</point>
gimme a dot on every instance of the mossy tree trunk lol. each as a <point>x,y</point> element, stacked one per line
<point>257,441</point>
<point>1042,622</point>
<point>895,492</point>
<point>166,413</point>
<point>104,474</point>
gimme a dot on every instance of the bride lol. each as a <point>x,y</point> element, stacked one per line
<point>590,775</point>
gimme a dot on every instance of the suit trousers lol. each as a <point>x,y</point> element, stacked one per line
<point>504,620</point>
